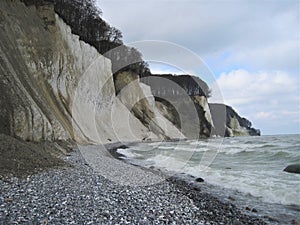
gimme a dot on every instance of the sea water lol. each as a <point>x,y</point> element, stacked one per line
<point>247,170</point>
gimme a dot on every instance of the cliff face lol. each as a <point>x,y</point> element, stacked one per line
<point>177,95</point>
<point>54,86</point>
<point>32,108</point>
<point>228,123</point>
<point>182,99</point>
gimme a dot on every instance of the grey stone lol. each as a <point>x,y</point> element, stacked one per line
<point>294,168</point>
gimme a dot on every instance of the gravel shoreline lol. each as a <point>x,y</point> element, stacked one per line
<point>80,195</point>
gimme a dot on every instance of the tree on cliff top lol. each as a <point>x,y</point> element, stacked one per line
<point>85,20</point>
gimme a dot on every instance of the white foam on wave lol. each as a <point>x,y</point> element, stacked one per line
<point>128,153</point>
<point>258,174</point>
<point>221,148</point>
<point>166,147</point>
<point>192,149</point>
<point>154,143</point>
<point>168,162</point>
<point>261,185</point>
<point>198,143</point>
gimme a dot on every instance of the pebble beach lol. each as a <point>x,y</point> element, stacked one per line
<point>77,194</point>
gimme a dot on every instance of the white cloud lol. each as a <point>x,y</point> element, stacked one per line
<point>283,55</point>
<point>242,84</point>
<point>265,115</point>
<point>265,97</point>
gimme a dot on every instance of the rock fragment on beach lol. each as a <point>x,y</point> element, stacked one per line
<point>254,210</point>
<point>295,222</point>
<point>199,179</point>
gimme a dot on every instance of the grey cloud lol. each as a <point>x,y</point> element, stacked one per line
<point>207,27</point>
<point>210,27</point>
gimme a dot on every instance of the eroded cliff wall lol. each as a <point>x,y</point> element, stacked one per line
<point>182,99</point>
<point>29,61</point>
<point>54,86</point>
<point>178,95</point>
<point>230,123</point>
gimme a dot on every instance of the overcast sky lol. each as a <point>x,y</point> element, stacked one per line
<point>252,47</point>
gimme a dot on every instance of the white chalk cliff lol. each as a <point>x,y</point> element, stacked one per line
<point>54,86</point>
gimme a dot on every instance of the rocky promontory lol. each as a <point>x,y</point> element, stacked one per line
<point>176,93</point>
<point>230,123</point>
